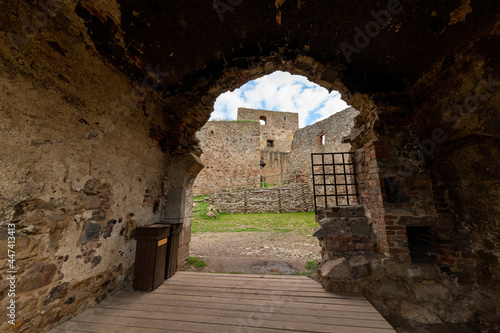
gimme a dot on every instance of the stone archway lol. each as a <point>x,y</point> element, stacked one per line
<point>326,76</point>
<point>398,194</point>
<point>80,173</point>
<point>179,179</point>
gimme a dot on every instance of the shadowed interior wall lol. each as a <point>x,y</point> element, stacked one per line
<point>80,170</point>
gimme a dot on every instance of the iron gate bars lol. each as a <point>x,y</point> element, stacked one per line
<point>334,179</point>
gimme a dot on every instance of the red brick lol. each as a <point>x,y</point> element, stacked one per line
<point>396,227</point>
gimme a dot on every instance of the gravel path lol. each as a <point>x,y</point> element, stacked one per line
<point>254,252</point>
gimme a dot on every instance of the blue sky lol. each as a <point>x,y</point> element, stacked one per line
<point>280,91</point>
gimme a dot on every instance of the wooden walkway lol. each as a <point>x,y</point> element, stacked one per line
<point>204,302</point>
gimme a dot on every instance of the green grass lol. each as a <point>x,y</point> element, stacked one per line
<point>200,210</point>
<point>312,265</point>
<point>196,262</point>
<point>282,229</point>
<point>301,222</point>
<point>311,268</point>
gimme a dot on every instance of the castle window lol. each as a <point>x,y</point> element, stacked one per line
<point>262,120</point>
<point>284,118</point>
<point>270,143</point>
<point>321,139</point>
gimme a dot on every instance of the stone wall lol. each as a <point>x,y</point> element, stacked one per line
<point>231,151</point>
<point>181,172</point>
<point>236,153</point>
<point>279,127</point>
<point>81,169</point>
<point>460,136</point>
<point>308,140</point>
<point>418,291</point>
<point>276,163</point>
<point>343,228</point>
<point>420,184</point>
<point>282,199</point>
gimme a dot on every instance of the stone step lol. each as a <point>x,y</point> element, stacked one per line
<point>340,211</point>
<point>346,226</point>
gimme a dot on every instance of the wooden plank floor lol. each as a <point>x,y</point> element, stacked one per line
<point>205,302</point>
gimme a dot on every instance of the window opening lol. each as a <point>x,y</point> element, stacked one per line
<point>262,120</point>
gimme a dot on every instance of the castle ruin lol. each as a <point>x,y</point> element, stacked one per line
<point>100,102</point>
<point>234,150</point>
<point>238,153</point>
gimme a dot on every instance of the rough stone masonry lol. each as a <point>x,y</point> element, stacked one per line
<point>100,102</point>
<point>231,148</point>
<point>238,153</point>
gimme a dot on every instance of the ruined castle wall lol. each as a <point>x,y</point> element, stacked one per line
<point>276,164</point>
<point>80,170</point>
<point>231,154</point>
<point>279,127</point>
<point>307,140</point>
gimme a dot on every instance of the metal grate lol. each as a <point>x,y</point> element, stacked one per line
<point>334,179</point>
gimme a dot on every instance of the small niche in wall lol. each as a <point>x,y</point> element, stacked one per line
<point>270,143</point>
<point>421,244</point>
<point>262,120</point>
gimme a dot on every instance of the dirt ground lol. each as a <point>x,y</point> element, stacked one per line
<point>254,252</point>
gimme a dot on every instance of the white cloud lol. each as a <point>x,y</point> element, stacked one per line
<point>281,91</point>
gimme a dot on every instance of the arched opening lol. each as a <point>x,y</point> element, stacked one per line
<point>249,157</point>
<point>378,237</point>
<point>106,141</point>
